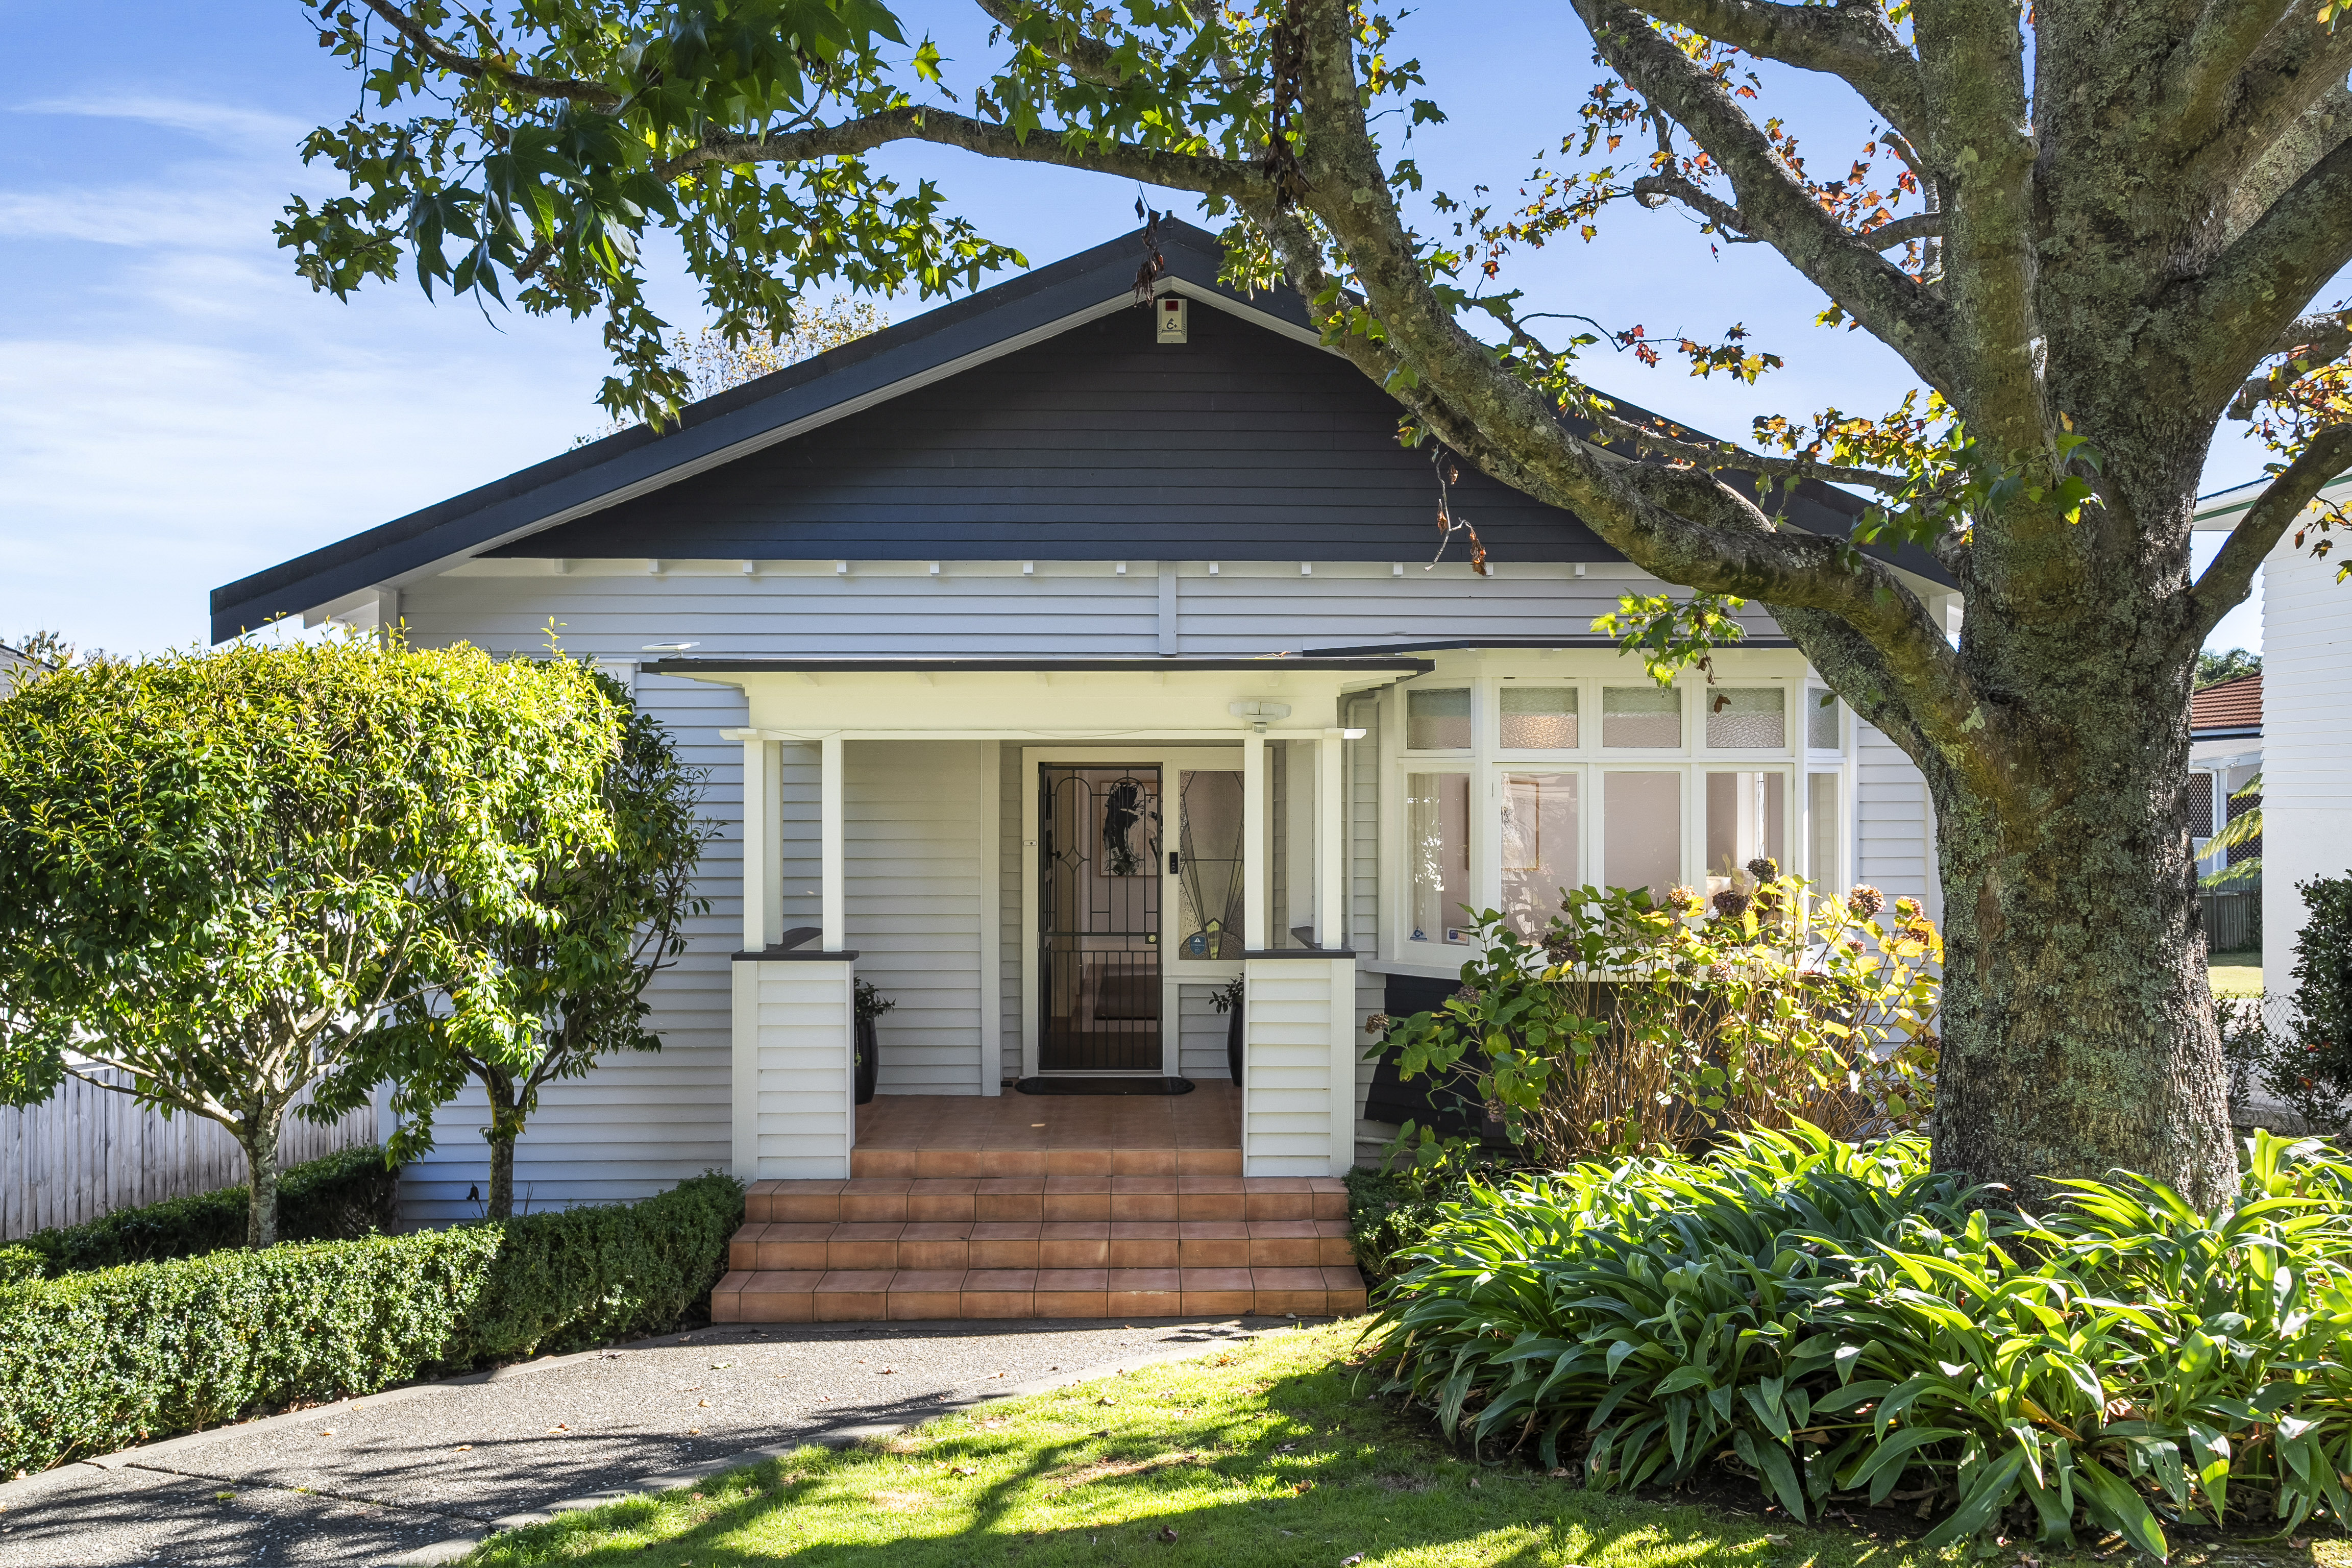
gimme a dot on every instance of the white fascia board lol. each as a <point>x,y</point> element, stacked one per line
<point>2224,509</point>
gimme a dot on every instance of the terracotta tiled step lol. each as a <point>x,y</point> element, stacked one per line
<point>942,1163</point>
<point>903,1200</point>
<point>855,1295</point>
<point>936,1245</point>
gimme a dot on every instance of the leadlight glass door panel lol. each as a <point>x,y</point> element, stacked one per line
<point>1098,884</point>
<point>1208,863</point>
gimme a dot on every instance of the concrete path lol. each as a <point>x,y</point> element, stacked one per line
<point>420,1473</point>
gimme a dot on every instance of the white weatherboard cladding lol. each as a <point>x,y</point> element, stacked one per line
<point>1199,1033</point>
<point>1893,849</point>
<point>914,840</point>
<point>2306,743</point>
<point>993,608</point>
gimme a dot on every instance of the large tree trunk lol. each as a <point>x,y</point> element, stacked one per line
<point>258,1137</point>
<point>2077,1024</point>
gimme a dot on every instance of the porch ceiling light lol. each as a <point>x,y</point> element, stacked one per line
<point>1259,714</point>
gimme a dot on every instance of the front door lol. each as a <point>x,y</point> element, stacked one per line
<point>1100,876</point>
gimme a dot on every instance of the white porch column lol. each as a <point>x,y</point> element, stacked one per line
<point>795,1113</point>
<point>1330,847</point>
<point>1253,848</point>
<point>764,869</point>
<point>833,918</point>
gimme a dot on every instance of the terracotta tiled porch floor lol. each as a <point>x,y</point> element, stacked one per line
<point>1038,1205</point>
<point>1210,1117</point>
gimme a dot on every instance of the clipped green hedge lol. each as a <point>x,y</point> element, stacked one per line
<point>94,1361</point>
<point>344,1195</point>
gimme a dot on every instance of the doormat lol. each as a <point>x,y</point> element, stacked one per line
<point>1104,1085</point>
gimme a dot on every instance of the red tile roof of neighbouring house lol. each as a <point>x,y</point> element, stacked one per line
<point>2233,706</point>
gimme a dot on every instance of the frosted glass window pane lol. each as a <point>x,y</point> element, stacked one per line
<point>1539,718</point>
<point>1437,720</point>
<point>1823,806</point>
<point>1746,718</point>
<point>1820,719</point>
<point>1437,819</point>
<point>1641,831</point>
<point>1747,816</point>
<point>1641,716</point>
<point>1541,839</point>
<point>1209,865</point>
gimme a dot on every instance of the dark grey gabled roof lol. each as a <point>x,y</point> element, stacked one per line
<point>615,472</point>
<point>718,426</point>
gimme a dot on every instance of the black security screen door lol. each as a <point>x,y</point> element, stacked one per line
<point>1098,919</point>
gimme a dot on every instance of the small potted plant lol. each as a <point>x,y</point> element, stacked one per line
<point>871,1005</point>
<point>1228,1000</point>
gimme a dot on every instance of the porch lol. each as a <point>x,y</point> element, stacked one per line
<point>1056,899</point>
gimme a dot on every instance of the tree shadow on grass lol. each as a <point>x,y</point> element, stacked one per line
<point>1313,1471</point>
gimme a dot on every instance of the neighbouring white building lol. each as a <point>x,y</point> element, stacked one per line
<point>2305,720</point>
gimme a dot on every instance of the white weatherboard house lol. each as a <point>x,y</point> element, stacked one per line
<point>1057,660</point>
<point>2306,746</point>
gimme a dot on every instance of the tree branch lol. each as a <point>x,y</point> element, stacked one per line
<point>1679,523</point>
<point>1090,60</point>
<point>2231,576</point>
<point>2253,293</point>
<point>1178,171</point>
<point>1905,229</point>
<point>2315,342</point>
<point>475,69</point>
<point>1773,205</point>
<point>2203,69</point>
<point>1853,43</point>
<point>1972,61</point>
<point>2286,109</point>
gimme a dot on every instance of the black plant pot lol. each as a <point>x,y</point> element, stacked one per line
<point>869,1059</point>
<point>1233,1044</point>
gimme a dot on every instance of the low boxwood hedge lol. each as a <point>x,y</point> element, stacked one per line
<point>94,1361</point>
<point>346,1193</point>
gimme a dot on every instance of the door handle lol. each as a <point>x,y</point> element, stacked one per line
<point>1175,862</point>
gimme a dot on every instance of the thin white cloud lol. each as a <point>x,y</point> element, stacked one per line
<point>224,124</point>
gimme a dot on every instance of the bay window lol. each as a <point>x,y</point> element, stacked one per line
<point>1505,798</point>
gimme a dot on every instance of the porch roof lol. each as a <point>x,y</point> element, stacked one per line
<point>1043,699</point>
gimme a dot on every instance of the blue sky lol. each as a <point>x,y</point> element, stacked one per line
<point>177,409</point>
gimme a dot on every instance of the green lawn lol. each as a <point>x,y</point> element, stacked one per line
<point>2235,974</point>
<point>1262,1455</point>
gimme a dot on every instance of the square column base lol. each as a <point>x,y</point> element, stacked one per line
<point>795,1061</point>
<point>1299,1069</point>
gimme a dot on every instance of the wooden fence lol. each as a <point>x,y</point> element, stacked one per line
<point>86,1152</point>
<point>2230,920</point>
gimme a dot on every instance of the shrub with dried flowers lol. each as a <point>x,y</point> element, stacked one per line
<point>1632,1026</point>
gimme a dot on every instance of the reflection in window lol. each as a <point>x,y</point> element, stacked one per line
<point>1539,718</point>
<point>1641,716</point>
<point>1746,817</point>
<point>1539,846</point>
<point>1820,719</point>
<point>1641,831</point>
<point>1437,821</point>
<point>1822,790</point>
<point>1437,720</point>
<point>1209,865</point>
<point>1746,718</point>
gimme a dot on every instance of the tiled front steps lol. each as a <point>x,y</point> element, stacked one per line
<point>1044,1247</point>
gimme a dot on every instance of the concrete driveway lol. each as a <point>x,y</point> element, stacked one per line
<point>421,1472</point>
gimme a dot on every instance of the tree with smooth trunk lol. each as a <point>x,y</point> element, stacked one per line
<point>222,873</point>
<point>602,916</point>
<point>2089,232</point>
